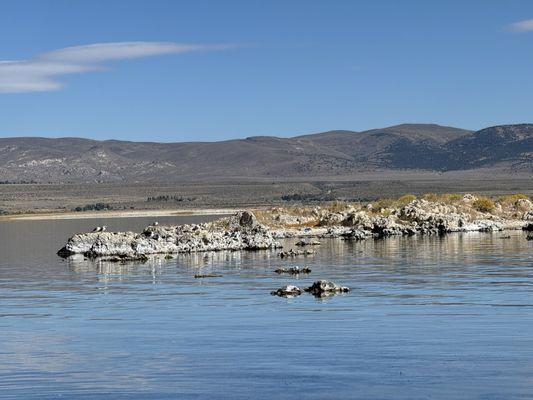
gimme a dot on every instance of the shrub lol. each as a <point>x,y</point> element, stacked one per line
<point>406,199</point>
<point>383,203</point>
<point>308,197</point>
<point>451,197</point>
<point>431,197</point>
<point>337,206</point>
<point>483,204</point>
<point>167,197</point>
<point>512,198</point>
<point>94,207</point>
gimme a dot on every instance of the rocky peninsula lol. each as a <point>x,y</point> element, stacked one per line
<point>261,229</point>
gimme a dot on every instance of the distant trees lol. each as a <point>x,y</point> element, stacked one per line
<point>308,197</point>
<point>167,197</point>
<point>94,207</point>
<point>22,182</point>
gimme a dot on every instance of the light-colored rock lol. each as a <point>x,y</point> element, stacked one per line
<point>287,291</point>
<point>239,232</point>
<point>524,205</point>
<point>243,231</point>
<point>359,219</point>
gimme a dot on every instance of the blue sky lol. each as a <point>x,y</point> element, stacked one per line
<point>211,70</point>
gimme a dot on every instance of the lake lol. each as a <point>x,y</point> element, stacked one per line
<point>428,317</point>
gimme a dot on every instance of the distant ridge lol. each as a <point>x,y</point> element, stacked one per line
<point>506,148</point>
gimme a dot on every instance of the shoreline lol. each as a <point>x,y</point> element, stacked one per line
<point>260,229</point>
<point>117,214</point>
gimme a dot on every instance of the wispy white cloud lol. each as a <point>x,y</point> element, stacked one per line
<point>522,26</point>
<point>40,73</point>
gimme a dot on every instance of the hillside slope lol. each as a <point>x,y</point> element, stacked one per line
<point>401,147</point>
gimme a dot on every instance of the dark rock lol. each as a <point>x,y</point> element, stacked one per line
<point>287,291</point>
<point>200,276</point>
<point>294,253</point>
<point>528,227</point>
<point>293,270</point>
<point>302,243</point>
<point>326,288</point>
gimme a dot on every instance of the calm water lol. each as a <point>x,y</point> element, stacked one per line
<point>439,318</point>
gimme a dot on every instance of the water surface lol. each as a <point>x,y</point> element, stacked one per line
<point>428,317</point>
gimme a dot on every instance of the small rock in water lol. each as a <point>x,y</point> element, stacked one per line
<point>124,258</point>
<point>293,270</point>
<point>293,253</point>
<point>326,288</point>
<point>287,291</point>
<point>528,227</point>
<point>199,276</point>
<point>302,243</point>
<point>505,237</point>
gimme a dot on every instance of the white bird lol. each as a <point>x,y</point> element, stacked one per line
<point>155,223</point>
<point>104,228</point>
<point>97,229</point>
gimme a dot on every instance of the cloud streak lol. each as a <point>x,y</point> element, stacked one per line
<point>41,73</point>
<point>522,26</point>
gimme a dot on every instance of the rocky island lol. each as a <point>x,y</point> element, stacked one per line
<point>261,229</point>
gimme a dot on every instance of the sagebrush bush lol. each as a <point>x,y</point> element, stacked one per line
<point>483,204</point>
<point>383,203</point>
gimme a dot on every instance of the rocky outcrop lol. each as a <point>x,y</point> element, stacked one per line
<point>243,231</point>
<point>239,232</point>
<point>416,217</point>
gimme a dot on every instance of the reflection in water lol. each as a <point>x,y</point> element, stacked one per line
<point>443,317</point>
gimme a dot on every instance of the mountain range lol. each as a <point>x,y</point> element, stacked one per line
<point>407,147</point>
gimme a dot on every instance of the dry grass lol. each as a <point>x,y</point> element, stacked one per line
<point>406,199</point>
<point>511,198</point>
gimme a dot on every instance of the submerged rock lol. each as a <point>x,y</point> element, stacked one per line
<point>201,276</point>
<point>326,288</point>
<point>287,291</point>
<point>302,243</point>
<point>293,270</point>
<point>294,253</point>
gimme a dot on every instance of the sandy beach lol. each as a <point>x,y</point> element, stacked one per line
<point>117,214</point>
